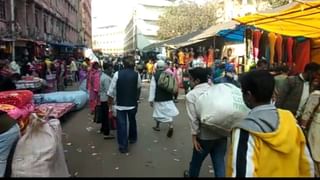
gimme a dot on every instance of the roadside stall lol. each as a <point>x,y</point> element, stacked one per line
<point>288,35</point>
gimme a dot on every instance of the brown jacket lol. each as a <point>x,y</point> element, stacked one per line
<point>290,95</point>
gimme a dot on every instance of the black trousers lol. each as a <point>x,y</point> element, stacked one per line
<point>104,118</point>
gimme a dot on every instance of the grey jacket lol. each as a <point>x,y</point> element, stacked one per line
<point>105,82</point>
<point>290,95</point>
<point>263,118</point>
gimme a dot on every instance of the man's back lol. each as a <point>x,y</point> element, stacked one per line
<point>265,152</point>
<point>127,88</point>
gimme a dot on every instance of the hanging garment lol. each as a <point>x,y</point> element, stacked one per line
<point>284,50</point>
<point>302,56</point>
<point>256,39</point>
<point>289,51</point>
<point>263,44</point>
<point>210,57</point>
<point>249,43</point>
<point>272,41</point>
<point>278,48</point>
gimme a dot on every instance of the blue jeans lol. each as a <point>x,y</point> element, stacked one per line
<point>122,131</point>
<point>217,150</point>
<point>7,141</point>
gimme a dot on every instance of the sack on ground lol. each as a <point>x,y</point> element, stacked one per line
<point>221,106</point>
<point>168,83</point>
<point>39,153</point>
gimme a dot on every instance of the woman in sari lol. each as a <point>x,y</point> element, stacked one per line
<point>93,86</point>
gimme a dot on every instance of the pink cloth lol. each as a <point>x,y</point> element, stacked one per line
<point>256,43</point>
<point>93,86</point>
<point>302,56</point>
<point>22,112</point>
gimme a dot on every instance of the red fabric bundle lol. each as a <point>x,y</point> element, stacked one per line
<point>18,98</point>
<point>112,119</point>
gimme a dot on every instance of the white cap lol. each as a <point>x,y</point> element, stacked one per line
<point>161,64</point>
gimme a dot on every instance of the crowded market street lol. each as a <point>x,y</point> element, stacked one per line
<point>154,155</point>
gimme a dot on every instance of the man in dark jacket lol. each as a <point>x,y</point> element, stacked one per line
<point>296,90</point>
<point>124,87</point>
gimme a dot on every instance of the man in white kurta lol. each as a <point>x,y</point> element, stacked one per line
<point>162,102</point>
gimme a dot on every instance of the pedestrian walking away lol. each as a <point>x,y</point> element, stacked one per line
<point>124,88</point>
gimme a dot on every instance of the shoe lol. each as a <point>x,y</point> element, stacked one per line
<point>176,101</point>
<point>123,151</point>
<point>132,142</point>
<point>170,133</point>
<point>99,132</point>
<point>108,137</point>
<point>186,174</point>
<point>156,128</point>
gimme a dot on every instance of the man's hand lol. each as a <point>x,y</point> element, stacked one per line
<point>151,103</point>
<point>196,144</point>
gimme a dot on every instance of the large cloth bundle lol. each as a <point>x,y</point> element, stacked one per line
<point>39,153</point>
<point>79,98</point>
<point>221,106</point>
<point>20,114</point>
<point>18,98</point>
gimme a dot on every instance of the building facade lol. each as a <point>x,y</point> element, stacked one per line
<point>86,23</point>
<point>38,22</point>
<point>229,9</point>
<point>109,39</point>
<point>142,27</point>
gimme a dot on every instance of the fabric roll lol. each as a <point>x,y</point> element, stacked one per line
<point>263,44</point>
<point>272,42</point>
<point>256,40</point>
<point>289,50</point>
<point>279,49</point>
<point>302,56</point>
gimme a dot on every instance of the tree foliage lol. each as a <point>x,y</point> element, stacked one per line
<point>277,3</point>
<point>185,18</point>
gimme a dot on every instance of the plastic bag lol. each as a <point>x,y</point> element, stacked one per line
<point>39,153</point>
<point>221,106</point>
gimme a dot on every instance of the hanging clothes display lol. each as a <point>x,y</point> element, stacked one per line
<point>301,56</point>
<point>278,48</point>
<point>256,39</point>
<point>248,43</point>
<point>272,41</point>
<point>263,45</point>
<point>289,51</point>
<point>210,57</point>
<point>315,50</point>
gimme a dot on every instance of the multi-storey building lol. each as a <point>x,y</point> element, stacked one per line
<point>108,39</point>
<point>142,27</point>
<point>86,25</point>
<point>38,22</point>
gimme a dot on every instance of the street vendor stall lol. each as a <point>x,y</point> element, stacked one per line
<point>285,35</point>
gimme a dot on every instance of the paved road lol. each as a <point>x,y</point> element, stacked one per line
<point>154,155</point>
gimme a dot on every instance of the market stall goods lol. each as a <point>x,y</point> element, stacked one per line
<point>18,98</point>
<point>59,109</point>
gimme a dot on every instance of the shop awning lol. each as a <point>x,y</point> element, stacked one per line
<point>234,35</point>
<point>213,30</point>
<point>300,18</point>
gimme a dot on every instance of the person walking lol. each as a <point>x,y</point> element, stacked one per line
<point>164,108</point>
<point>296,90</point>
<point>93,86</point>
<point>310,123</point>
<point>103,110</point>
<point>124,89</point>
<point>205,140</point>
<point>73,69</point>
<point>268,142</point>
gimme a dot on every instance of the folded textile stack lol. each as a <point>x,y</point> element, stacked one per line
<point>18,98</point>
<point>59,109</point>
<point>19,114</point>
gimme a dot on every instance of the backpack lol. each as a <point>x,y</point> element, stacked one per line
<point>167,82</point>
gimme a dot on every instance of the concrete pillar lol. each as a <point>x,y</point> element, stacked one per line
<point>21,16</point>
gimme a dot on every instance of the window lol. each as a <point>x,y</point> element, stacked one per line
<point>37,18</point>
<point>2,9</point>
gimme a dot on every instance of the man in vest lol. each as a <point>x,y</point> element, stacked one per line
<point>124,87</point>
